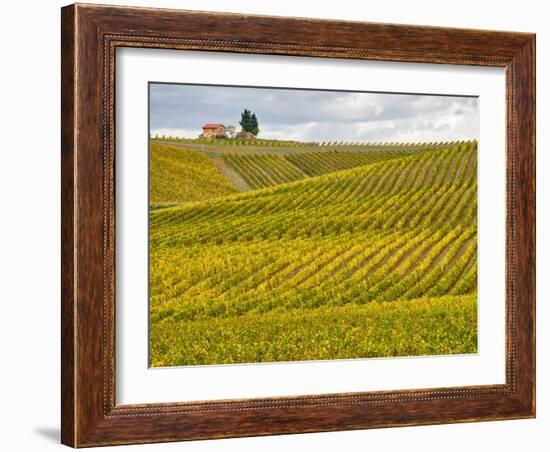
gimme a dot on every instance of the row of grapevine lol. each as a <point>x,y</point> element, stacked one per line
<point>397,229</point>
<point>354,195</point>
<point>371,145</point>
<point>425,326</point>
<point>236,141</point>
<point>265,170</point>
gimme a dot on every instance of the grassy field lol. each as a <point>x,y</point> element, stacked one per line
<point>339,256</point>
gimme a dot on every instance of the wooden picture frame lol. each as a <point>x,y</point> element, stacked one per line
<point>90,36</point>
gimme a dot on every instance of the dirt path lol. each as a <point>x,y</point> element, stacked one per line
<point>230,174</point>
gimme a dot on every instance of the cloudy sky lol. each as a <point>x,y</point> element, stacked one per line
<point>308,115</point>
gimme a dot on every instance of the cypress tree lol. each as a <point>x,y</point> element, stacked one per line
<point>249,122</point>
<point>254,124</point>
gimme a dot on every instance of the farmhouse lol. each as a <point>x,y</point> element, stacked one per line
<point>213,131</point>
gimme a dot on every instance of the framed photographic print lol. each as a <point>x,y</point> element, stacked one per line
<point>282,225</point>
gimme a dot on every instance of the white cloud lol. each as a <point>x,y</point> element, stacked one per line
<point>310,115</point>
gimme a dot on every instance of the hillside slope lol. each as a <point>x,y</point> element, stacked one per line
<point>183,175</point>
<point>269,275</point>
<point>265,170</point>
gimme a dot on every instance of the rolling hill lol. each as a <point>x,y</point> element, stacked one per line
<point>265,170</point>
<point>381,256</point>
<point>182,175</point>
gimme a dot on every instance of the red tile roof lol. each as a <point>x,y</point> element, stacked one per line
<point>212,126</point>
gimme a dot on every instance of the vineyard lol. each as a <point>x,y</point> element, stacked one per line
<point>292,145</point>
<point>334,254</point>
<point>265,170</point>
<point>180,175</point>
